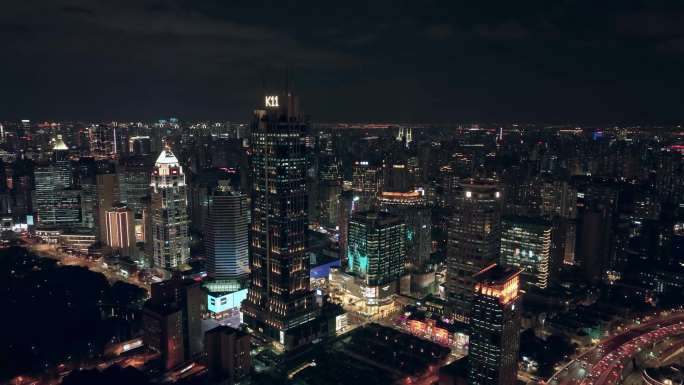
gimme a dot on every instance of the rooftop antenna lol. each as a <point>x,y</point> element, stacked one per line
<point>289,81</point>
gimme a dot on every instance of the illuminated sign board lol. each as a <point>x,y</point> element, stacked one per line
<point>272,101</point>
<point>221,303</point>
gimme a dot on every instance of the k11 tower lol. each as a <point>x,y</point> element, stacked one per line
<point>279,302</point>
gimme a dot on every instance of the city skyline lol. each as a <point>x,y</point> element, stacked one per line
<point>435,192</point>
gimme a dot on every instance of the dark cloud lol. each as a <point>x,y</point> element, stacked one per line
<point>440,32</point>
<point>508,30</point>
<point>77,10</point>
<point>673,46</point>
<point>437,60</point>
<point>651,24</point>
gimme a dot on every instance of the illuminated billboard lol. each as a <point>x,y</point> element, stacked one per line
<point>224,302</point>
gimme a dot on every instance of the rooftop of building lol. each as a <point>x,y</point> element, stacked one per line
<point>372,354</point>
<point>59,144</point>
<point>166,157</point>
<point>227,330</point>
<point>379,217</point>
<point>480,184</point>
<point>456,369</point>
<point>163,309</point>
<point>429,317</point>
<point>525,220</point>
<point>118,206</point>
<point>495,274</point>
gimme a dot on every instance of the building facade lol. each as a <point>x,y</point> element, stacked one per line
<point>228,353</point>
<point>367,182</point>
<point>474,240</point>
<point>227,235</point>
<point>169,214</point>
<point>526,244</point>
<point>56,202</point>
<point>120,229</point>
<point>413,208</point>
<point>279,300</point>
<point>495,327</point>
<point>376,252</point>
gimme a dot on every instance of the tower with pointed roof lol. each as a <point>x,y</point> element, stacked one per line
<point>169,215</point>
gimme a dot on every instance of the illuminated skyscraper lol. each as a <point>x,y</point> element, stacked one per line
<point>279,299</point>
<point>413,208</point>
<point>329,190</point>
<point>345,213</point>
<point>495,327</point>
<point>366,183</point>
<point>227,235</point>
<point>139,145</point>
<point>120,229</point>
<point>474,240</point>
<point>57,203</point>
<point>376,252</point>
<point>107,190</point>
<point>134,183</point>
<point>169,216</point>
<point>526,244</point>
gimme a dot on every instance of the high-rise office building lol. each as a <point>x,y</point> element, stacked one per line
<point>526,244</point>
<point>594,242</point>
<point>279,301</point>
<point>120,229</point>
<point>228,353</point>
<point>474,240</point>
<point>413,208</point>
<point>405,135</point>
<point>367,182</point>
<point>329,190</point>
<point>396,177</point>
<point>139,145</point>
<point>86,170</point>
<point>495,327</point>
<point>345,213</point>
<point>227,248</point>
<point>227,235</point>
<point>134,182</point>
<point>134,185</point>
<point>187,296</point>
<point>107,190</point>
<point>376,252</point>
<point>169,216</point>
<point>56,202</point>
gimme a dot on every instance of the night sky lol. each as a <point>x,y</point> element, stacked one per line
<point>548,61</point>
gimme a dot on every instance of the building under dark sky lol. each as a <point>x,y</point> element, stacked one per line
<point>432,60</point>
<point>280,299</point>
